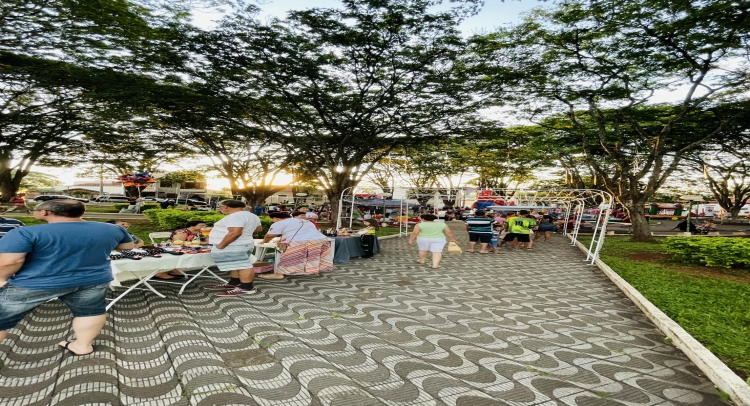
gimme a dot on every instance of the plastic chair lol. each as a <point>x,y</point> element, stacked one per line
<point>159,234</point>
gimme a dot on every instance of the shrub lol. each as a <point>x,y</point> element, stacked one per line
<point>721,252</point>
<point>171,219</point>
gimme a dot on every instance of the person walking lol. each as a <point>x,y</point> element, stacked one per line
<point>479,227</point>
<point>68,259</point>
<point>519,228</point>
<point>232,242</point>
<point>546,227</point>
<point>431,237</point>
<point>19,203</point>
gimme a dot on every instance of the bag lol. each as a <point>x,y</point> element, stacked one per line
<point>281,246</point>
<point>453,248</point>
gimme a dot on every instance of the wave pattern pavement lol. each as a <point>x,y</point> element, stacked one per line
<point>518,328</point>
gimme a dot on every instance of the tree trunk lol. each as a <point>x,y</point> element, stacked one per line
<point>340,183</point>
<point>7,191</point>
<point>258,195</point>
<point>641,229</point>
<point>9,180</point>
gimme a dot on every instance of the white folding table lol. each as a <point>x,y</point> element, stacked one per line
<point>145,269</point>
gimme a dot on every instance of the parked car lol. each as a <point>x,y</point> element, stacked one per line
<point>44,198</point>
<point>182,200</point>
<point>111,198</point>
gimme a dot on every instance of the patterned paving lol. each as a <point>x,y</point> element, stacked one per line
<point>519,328</point>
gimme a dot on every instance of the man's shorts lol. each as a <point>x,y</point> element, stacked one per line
<point>233,257</point>
<point>481,237</point>
<point>517,237</point>
<point>17,302</point>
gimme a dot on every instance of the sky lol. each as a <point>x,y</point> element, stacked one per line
<point>495,14</point>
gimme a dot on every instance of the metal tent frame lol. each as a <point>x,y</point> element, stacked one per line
<point>348,196</point>
<point>574,202</point>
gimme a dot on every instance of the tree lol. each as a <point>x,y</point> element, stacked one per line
<point>597,64</point>
<point>38,125</point>
<point>38,180</point>
<point>57,59</point>
<point>181,177</point>
<point>340,88</point>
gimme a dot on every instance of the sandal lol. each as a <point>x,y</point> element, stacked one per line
<point>421,262</point>
<point>271,276</point>
<point>73,353</point>
<point>171,277</point>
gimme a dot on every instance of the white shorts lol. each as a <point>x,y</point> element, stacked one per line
<point>431,244</point>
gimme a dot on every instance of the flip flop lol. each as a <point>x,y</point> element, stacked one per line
<point>271,276</point>
<point>173,277</point>
<point>435,267</point>
<point>420,262</point>
<point>485,252</point>
<point>73,353</point>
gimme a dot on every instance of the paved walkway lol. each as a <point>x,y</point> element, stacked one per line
<point>517,328</point>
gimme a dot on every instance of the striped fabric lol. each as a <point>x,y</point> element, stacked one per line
<point>306,258</point>
<point>480,224</point>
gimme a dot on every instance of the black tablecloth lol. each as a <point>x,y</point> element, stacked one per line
<point>346,248</point>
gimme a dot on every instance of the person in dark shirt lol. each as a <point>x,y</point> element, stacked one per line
<point>480,230</point>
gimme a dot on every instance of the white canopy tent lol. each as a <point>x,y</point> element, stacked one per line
<point>401,195</point>
<point>573,203</point>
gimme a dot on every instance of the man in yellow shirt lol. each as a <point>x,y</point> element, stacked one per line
<point>519,228</point>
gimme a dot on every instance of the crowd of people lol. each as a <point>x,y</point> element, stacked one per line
<point>518,230</point>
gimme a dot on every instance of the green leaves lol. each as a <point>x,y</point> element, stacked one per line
<point>722,252</point>
<point>712,309</point>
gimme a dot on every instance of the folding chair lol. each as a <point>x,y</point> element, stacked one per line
<point>159,234</point>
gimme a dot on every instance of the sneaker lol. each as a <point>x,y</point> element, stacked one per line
<point>220,287</point>
<point>237,292</point>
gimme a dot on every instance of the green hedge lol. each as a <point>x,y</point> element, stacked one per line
<point>720,252</point>
<point>144,206</point>
<point>171,219</point>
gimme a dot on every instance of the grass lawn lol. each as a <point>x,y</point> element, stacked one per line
<point>710,305</point>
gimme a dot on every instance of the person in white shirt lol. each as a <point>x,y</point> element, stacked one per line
<point>307,251</point>
<point>308,214</point>
<point>232,242</point>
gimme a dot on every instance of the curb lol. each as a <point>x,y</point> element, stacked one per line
<point>720,374</point>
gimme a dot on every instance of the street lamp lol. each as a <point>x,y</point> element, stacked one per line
<point>690,199</point>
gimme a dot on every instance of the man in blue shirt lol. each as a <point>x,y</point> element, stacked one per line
<point>68,259</point>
